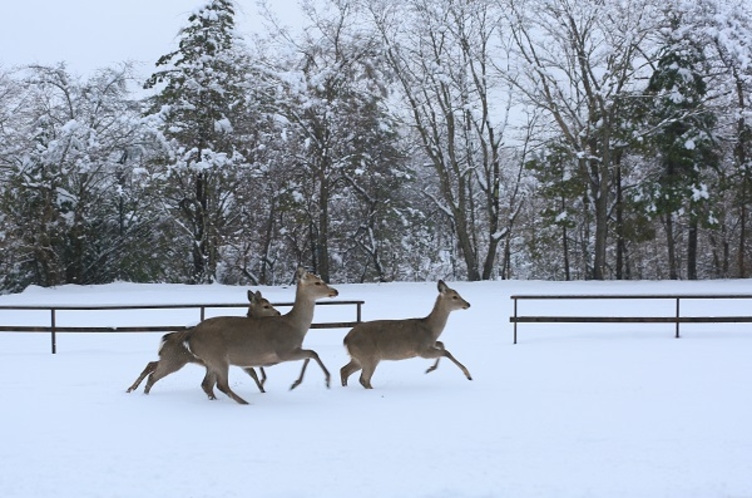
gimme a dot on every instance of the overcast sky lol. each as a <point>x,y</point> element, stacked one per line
<point>90,34</point>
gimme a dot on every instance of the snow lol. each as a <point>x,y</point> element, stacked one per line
<point>571,411</point>
<point>700,192</point>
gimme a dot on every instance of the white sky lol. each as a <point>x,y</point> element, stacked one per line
<point>90,34</point>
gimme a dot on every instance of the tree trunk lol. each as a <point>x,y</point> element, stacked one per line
<point>741,267</point>
<point>671,247</point>
<point>744,137</point>
<point>466,246</point>
<point>322,240</point>
<point>565,248</point>
<point>200,246</point>
<point>194,211</point>
<point>600,174</point>
<point>490,262</point>
<point>620,242</point>
<point>692,250</point>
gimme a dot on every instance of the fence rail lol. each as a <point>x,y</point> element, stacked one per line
<point>54,314</point>
<point>677,318</point>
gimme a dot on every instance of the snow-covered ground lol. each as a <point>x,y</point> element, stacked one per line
<point>571,411</point>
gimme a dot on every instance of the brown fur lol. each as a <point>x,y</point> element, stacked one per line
<point>173,355</point>
<point>250,342</point>
<point>369,343</point>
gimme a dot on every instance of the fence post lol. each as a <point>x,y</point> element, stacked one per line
<point>358,312</point>
<point>515,319</point>
<point>677,317</point>
<point>52,331</point>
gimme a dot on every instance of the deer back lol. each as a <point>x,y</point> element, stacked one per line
<point>389,339</point>
<point>401,339</point>
<point>252,341</point>
<point>224,337</point>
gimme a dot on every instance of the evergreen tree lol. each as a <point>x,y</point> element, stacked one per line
<point>201,102</point>
<point>684,140</point>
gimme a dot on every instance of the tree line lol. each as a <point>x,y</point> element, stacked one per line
<point>392,140</point>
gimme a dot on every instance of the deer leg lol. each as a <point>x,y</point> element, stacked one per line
<point>348,370</point>
<point>435,352</point>
<point>307,354</point>
<point>263,377</point>
<point>433,367</point>
<point>207,384</point>
<point>367,373</point>
<point>224,385</point>
<point>302,373</point>
<point>260,384</point>
<point>165,366</point>
<point>460,365</point>
<point>150,367</point>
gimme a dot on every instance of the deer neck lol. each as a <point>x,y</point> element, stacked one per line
<point>437,319</point>
<point>301,314</point>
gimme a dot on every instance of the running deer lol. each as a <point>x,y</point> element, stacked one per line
<point>173,355</point>
<point>368,343</point>
<point>254,342</point>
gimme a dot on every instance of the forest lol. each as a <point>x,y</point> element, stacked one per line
<point>392,140</point>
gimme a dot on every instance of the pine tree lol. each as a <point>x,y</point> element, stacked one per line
<point>684,140</point>
<point>201,102</point>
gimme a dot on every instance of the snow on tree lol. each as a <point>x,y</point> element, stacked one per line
<point>684,136</point>
<point>76,181</point>
<point>201,103</point>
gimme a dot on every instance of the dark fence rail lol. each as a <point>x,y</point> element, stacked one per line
<point>54,314</point>
<point>676,318</point>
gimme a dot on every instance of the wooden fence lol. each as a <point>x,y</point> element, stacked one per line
<point>676,317</point>
<point>55,311</point>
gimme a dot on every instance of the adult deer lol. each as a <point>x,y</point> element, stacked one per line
<point>368,343</point>
<point>253,342</point>
<point>173,355</point>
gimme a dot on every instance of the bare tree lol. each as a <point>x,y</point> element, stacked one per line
<point>443,57</point>
<point>579,62</point>
<point>332,98</point>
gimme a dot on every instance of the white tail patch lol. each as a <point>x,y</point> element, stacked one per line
<point>162,342</point>
<point>187,345</point>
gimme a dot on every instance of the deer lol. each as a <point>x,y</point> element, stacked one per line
<point>173,354</point>
<point>256,342</point>
<point>368,343</point>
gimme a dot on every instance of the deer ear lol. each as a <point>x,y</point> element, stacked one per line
<point>251,296</point>
<point>300,273</point>
<point>442,286</point>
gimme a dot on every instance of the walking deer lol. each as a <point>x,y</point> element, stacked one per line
<point>368,343</point>
<point>254,342</point>
<point>173,355</point>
